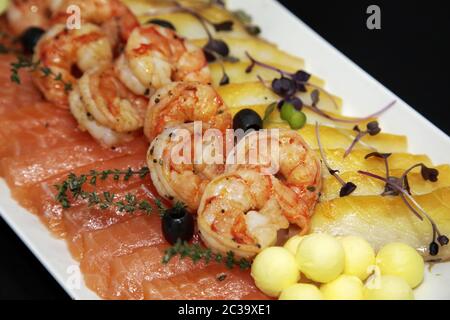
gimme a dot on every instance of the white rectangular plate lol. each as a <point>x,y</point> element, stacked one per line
<point>361,93</point>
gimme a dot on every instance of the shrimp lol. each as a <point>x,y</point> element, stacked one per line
<point>106,136</point>
<point>239,211</point>
<point>184,102</point>
<point>65,53</point>
<point>155,56</point>
<point>294,165</point>
<point>23,14</point>
<point>106,108</point>
<point>114,17</point>
<point>175,174</point>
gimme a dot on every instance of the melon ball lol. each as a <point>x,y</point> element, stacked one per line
<point>274,269</point>
<point>359,256</point>
<point>345,287</point>
<point>301,291</point>
<point>292,244</point>
<point>388,288</point>
<point>399,259</point>
<point>320,257</point>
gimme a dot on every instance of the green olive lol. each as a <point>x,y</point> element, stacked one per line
<point>297,120</point>
<point>287,110</point>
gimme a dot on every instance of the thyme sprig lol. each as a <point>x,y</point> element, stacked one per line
<point>72,187</point>
<point>26,63</point>
<point>399,186</point>
<point>347,187</point>
<point>196,252</point>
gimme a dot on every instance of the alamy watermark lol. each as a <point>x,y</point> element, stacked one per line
<point>234,147</point>
<point>374,19</point>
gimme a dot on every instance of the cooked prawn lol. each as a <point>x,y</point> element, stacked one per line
<point>108,103</point>
<point>184,102</point>
<point>114,17</point>
<point>23,14</point>
<point>155,56</point>
<point>295,166</point>
<point>62,51</point>
<point>174,171</point>
<point>106,136</point>
<point>240,212</point>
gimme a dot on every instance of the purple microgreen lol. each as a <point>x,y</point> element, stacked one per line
<point>284,87</point>
<point>354,120</point>
<point>428,174</point>
<point>347,187</point>
<point>216,46</point>
<point>443,240</point>
<point>398,185</point>
<point>223,26</point>
<point>225,78</point>
<point>295,101</point>
<point>254,62</point>
<point>372,129</point>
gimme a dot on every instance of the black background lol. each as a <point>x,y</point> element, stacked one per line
<point>409,55</point>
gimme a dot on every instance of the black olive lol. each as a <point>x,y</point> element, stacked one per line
<point>162,23</point>
<point>30,38</point>
<point>177,223</point>
<point>247,119</point>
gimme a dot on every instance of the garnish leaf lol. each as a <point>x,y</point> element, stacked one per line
<point>269,110</point>
<point>197,253</point>
<point>72,187</point>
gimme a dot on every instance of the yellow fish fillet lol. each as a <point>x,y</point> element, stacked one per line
<point>187,25</point>
<point>237,73</point>
<point>368,186</point>
<point>337,138</point>
<point>382,220</point>
<point>260,49</point>
<point>257,95</point>
<point>356,161</point>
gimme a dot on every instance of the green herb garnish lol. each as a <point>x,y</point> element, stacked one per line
<point>73,186</point>
<point>26,63</point>
<point>197,253</point>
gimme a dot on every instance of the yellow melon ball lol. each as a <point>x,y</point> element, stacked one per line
<point>292,244</point>
<point>359,256</point>
<point>274,269</point>
<point>301,291</point>
<point>399,259</point>
<point>388,288</point>
<point>4,4</point>
<point>320,257</point>
<point>345,287</point>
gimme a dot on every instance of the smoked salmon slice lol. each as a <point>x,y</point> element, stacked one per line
<point>101,246</point>
<point>215,282</point>
<point>39,198</point>
<point>37,127</point>
<point>82,219</point>
<point>42,164</point>
<point>15,96</point>
<point>128,272</point>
